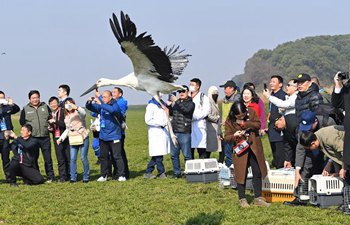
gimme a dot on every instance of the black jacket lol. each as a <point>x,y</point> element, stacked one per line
<point>342,100</point>
<point>27,147</point>
<point>308,100</point>
<point>290,137</point>
<point>5,113</point>
<point>182,112</point>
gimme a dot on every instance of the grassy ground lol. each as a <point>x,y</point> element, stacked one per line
<point>140,201</point>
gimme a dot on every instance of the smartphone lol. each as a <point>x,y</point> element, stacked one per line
<point>265,86</point>
<point>170,95</point>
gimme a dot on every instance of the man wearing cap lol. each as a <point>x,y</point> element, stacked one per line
<point>307,163</point>
<point>231,96</point>
<point>275,135</point>
<point>308,97</point>
<point>341,99</point>
<point>182,111</point>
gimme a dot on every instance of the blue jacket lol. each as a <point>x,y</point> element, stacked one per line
<point>123,105</point>
<point>112,129</point>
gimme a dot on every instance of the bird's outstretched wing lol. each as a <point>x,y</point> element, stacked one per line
<point>178,60</point>
<point>147,58</point>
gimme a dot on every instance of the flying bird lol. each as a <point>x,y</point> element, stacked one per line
<point>4,53</point>
<point>155,69</point>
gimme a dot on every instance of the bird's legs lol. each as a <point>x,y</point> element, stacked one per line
<point>171,132</point>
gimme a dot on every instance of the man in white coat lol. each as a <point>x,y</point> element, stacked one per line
<point>156,118</point>
<point>199,124</point>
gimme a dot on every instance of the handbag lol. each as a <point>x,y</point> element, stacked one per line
<point>241,147</point>
<point>76,139</point>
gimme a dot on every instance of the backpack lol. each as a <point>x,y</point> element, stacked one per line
<point>327,110</point>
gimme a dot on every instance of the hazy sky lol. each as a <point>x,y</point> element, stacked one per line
<point>48,43</point>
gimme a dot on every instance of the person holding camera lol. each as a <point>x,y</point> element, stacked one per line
<point>7,108</point>
<point>78,136</point>
<point>38,114</point>
<point>23,160</point>
<point>242,130</point>
<point>341,99</point>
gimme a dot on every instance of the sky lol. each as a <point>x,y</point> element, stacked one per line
<point>48,43</point>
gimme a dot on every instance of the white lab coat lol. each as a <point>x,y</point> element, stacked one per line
<point>199,124</point>
<point>158,137</point>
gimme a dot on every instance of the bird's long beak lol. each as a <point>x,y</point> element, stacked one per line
<point>94,87</point>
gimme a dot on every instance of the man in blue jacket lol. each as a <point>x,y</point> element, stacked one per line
<point>117,94</point>
<point>110,132</point>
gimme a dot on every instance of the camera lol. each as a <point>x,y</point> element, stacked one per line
<point>69,107</point>
<point>343,75</point>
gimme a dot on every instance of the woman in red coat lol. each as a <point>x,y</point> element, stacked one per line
<point>251,99</point>
<point>244,124</point>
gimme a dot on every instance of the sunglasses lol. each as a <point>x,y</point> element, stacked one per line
<point>181,91</point>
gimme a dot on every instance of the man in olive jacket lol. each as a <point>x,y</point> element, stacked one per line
<point>37,114</point>
<point>330,141</point>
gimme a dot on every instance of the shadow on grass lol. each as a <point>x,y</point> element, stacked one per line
<point>214,218</point>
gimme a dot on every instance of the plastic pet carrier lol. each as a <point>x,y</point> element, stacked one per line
<point>278,185</point>
<point>202,170</point>
<point>325,191</point>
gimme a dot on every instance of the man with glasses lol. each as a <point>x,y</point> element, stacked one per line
<point>182,111</point>
<point>286,106</point>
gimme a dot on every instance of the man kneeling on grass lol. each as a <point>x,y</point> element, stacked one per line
<point>330,141</point>
<point>23,163</point>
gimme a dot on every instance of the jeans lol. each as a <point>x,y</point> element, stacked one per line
<point>84,158</point>
<point>228,153</point>
<point>183,143</point>
<point>156,160</point>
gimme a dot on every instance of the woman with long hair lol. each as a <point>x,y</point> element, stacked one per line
<point>242,130</point>
<point>251,99</point>
<point>78,135</point>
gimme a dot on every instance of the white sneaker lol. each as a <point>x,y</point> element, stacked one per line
<point>121,179</point>
<point>102,179</point>
<point>232,167</point>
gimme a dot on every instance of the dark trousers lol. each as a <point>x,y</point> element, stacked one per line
<point>125,160</point>
<point>201,153</point>
<point>29,173</point>
<point>257,179</point>
<point>5,156</point>
<point>45,145</point>
<point>156,160</point>
<point>63,159</point>
<point>278,154</point>
<point>114,149</point>
<point>221,156</point>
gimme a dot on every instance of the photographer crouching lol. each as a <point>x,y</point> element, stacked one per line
<point>341,99</point>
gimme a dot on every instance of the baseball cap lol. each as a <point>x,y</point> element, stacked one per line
<point>307,118</point>
<point>302,77</point>
<point>229,83</point>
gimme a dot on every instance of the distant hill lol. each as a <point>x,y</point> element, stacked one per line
<point>320,56</point>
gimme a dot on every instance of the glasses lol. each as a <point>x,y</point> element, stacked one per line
<point>293,85</point>
<point>181,91</point>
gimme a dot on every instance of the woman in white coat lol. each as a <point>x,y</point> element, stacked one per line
<point>158,137</point>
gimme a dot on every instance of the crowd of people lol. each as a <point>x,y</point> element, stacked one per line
<point>305,125</point>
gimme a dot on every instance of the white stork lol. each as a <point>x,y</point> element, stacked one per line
<point>155,69</point>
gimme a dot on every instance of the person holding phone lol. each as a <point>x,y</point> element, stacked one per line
<point>242,128</point>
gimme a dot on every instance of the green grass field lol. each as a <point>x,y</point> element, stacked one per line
<point>140,201</point>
